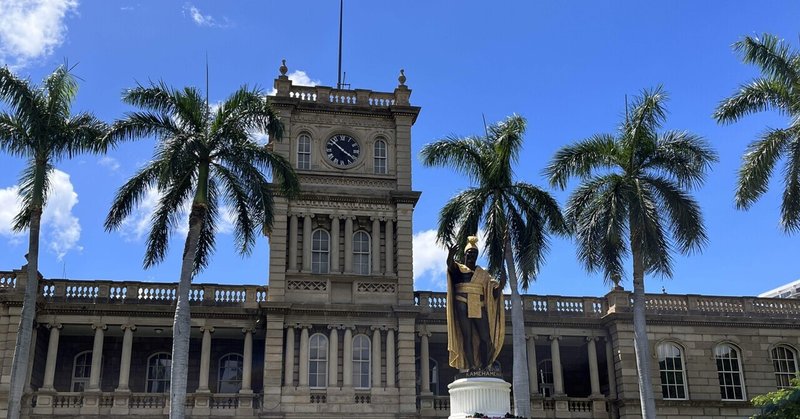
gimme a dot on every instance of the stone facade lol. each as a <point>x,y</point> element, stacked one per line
<point>341,332</point>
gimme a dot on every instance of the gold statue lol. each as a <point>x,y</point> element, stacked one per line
<point>475,312</point>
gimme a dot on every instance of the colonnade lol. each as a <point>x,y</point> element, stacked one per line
<point>380,335</point>
<point>125,358</point>
<point>555,357</point>
<point>375,242</point>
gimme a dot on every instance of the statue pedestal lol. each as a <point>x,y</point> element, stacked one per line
<point>490,396</point>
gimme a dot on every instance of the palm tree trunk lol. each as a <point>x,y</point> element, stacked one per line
<point>640,342</point>
<point>19,365</point>
<point>522,396</point>
<point>181,326</point>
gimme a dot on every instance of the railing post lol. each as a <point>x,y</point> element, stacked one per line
<point>323,94</point>
<point>618,300</point>
<point>747,305</point>
<point>692,303</point>
<point>588,307</point>
<point>209,292</point>
<point>552,304</point>
<point>250,297</point>
<point>132,292</point>
<point>362,97</point>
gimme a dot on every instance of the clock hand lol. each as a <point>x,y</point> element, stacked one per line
<point>343,151</point>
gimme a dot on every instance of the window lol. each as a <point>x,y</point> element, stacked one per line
<point>670,365</point>
<point>729,372</point>
<point>784,360</point>
<point>433,374</point>
<point>320,250</point>
<point>304,152</point>
<point>361,253</point>
<point>361,354</point>
<point>380,157</point>
<point>158,372</point>
<point>318,361</point>
<point>229,379</point>
<point>81,370</point>
<point>546,378</point>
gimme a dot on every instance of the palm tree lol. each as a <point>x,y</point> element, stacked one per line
<point>634,200</point>
<point>39,126</point>
<point>517,217</point>
<point>778,88</point>
<point>202,156</point>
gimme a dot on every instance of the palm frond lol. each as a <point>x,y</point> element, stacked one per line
<point>34,185</point>
<point>683,213</point>
<point>462,154</point>
<point>581,159</point>
<point>790,205</point>
<point>757,165</point>
<point>207,243</point>
<point>158,97</point>
<point>459,217</point>
<point>775,57</point>
<point>683,156</point>
<point>130,195</point>
<point>237,197</point>
<point>14,136</point>
<point>61,88</point>
<point>648,231</point>
<point>20,95</point>
<point>758,95</point>
<point>165,217</point>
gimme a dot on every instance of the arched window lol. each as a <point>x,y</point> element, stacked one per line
<point>158,372</point>
<point>229,379</point>
<point>784,360</point>
<point>318,361</point>
<point>380,157</point>
<point>81,370</point>
<point>729,372</point>
<point>361,250</point>
<point>671,367</point>
<point>304,152</point>
<point>361,364</point>
<point>320,251</point>
<point>545,369</point>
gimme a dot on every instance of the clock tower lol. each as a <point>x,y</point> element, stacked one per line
<point>341,252</point>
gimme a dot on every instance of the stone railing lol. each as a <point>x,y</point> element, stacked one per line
<point>150,292</point>
<point>622,301</point>
<point>8,280</point>
<point>548,304</point>
<point>358,97</point>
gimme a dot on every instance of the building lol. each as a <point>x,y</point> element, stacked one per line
<point>341,332</point>
<point>790,290</point>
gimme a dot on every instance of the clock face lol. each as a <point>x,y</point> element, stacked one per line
<point>342,150</point>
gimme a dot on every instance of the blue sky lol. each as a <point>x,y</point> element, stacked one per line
<point>565,66</point>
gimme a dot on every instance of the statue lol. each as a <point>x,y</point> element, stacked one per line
<point>475,312</point>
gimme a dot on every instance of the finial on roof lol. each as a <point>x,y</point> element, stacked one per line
<point>402,78</point>
<point>283,68</point>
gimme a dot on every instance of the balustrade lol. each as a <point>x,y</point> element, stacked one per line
<point>8,280</point>
<point>146,292</point>
<point>324,94</point>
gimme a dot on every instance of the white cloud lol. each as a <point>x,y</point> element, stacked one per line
<point>110,163</point>
<point>61,229</point>
<point>429,258</point>
<point>298,78</point>
<point>31,29</point>
<point>205,20</point>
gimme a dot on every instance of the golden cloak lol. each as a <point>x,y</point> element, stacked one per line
<point>495,310</point>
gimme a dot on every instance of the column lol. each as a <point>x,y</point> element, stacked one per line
<point>307,242</point>
<point>594,377</point>
<point>376,246</point>
<point>333,357</point>
<point>205,359</point>
<point>348,244</point>
<point>389,247</point>
<point>376,357</point>
<point>247,362</point>
<point>97,356</point>
<point>347,354</point>
<point>558,378</point>
<point>390,358</point>
<point>52,354</point>
<point>424,362</point>
<point>125,358</point>
<point>303,379</point>
<point>293,242</point>
<point>288,365</point>
<point>612,371</point>
<point>335,244</point>
<point>533,381</point>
